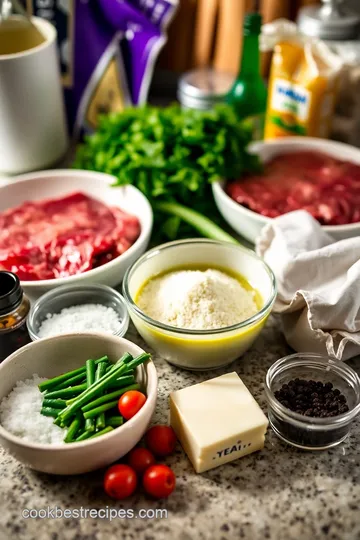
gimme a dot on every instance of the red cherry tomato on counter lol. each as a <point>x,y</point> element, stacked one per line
<point>161,440</point>
<point>130,403</point>
<point>159,481</point>
<point>120,481</point>
<point>140,459</point>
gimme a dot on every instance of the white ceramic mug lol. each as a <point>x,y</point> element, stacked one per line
<point>33,132</point>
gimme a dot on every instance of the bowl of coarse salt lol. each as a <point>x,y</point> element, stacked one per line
<point>79,308</point>
<point>32,438</point>
<point>199,303</point>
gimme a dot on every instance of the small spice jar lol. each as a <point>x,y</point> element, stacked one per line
<point>203,88</point>
<point>311,432</point>
<point>14,308</point>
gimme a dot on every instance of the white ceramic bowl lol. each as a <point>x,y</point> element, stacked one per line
<point>248,223</point>
<point>56,355</point>
<point>56,183</point>
<point>200,349</point>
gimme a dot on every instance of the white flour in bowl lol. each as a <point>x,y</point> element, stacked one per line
<point>197,299</point>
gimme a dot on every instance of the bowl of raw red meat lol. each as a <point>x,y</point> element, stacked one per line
<point>316,175</point>
<point>70,227</point>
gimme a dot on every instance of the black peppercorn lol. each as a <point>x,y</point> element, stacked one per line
<point>312,398</point>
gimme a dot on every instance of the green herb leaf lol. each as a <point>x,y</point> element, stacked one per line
<point>171,155</point>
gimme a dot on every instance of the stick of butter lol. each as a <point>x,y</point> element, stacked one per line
<point>217,421</point>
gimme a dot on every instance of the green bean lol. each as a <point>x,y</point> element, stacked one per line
<point>90,372</point>
<point>48,411</point>
<point>97,388</point>
<point>73,429</point>
<point>85,435</point>
<point>130,367</point>
<point>90,425</point>
<point>109,397</point>
<point>125,359</point>
<point>58,422</point>
<point>54,403</point>
<point>98,374</point>
<point>102,432</point>
<point>100,422</point>
<point>118,383</point>
<point>70,401</point>
<point>100,370</point>
<point>51,383</point>
<point>80,378</point>
<point>123,381</point>
<point>97,377</point>
<point>98,410</point>
<point>137,361</point>
<point>67,392</point>
<point>119,362</point>
<point>90,379</point>
<point>114,421</point>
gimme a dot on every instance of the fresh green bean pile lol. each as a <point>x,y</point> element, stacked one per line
<point>85,400</point>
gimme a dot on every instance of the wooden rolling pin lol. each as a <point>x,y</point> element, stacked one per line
<point>229,34</point>
<point>207,11</point>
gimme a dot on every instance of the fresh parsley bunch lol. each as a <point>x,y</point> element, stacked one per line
<point>172,155</point>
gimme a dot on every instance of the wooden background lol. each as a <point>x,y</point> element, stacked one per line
<point>209,32</point>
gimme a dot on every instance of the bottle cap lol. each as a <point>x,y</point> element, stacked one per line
<point>252,24</point>
<point>11,293</point>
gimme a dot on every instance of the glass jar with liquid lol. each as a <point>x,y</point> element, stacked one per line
<point>14,309</point>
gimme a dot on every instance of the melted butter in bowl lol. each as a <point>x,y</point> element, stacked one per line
<point>194,348</point>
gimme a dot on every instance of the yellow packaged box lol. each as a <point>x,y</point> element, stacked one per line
<point>302,89</point>
<point>217,421</point>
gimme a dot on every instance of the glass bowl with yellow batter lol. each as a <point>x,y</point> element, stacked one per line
<point>205,348</point>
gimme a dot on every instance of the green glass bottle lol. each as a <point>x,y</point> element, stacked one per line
<point>248,95</point>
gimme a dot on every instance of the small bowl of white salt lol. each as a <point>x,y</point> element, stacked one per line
<point>85,308</point>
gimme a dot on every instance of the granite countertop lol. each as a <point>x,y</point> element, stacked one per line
<point>279,493</point>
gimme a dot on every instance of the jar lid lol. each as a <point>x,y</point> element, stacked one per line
<point>11,292</point>
<point>329,21</point>
<point>200,87</point>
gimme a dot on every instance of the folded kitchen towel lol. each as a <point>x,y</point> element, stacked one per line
<point>318,282</point>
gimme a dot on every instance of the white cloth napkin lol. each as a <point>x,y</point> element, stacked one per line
<point>318,282</point>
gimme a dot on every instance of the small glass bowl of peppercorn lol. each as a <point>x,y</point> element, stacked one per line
<point>312,400</point>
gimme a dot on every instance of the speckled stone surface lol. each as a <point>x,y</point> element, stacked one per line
<point>279,493</point>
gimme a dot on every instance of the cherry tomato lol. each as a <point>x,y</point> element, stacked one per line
<point>161,440</point>
<point>140,459</point>
<point>159,481</point>
<point>120,481</point>
<point>130,403</point>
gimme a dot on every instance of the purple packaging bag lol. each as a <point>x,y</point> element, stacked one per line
<point>107,50</point>
<point>145,25</point>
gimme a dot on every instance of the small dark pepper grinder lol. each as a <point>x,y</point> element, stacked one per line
<point>14,309</point>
